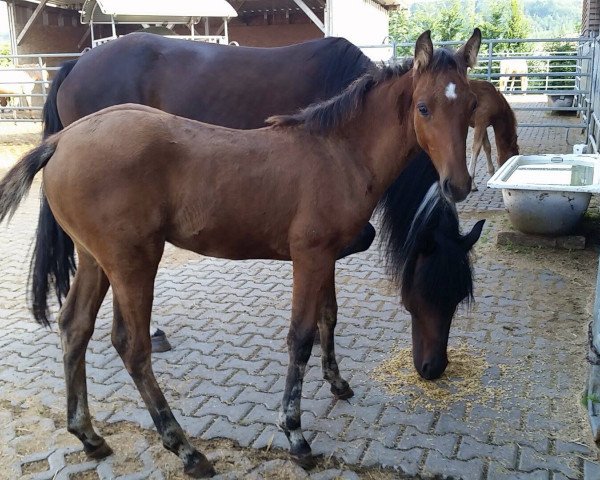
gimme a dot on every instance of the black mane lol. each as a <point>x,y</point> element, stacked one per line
<point>324,117</point>
<point>417,220</point>
<point>345,63</point>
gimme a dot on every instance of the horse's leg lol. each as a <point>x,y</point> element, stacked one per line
<point>327,322</point>
<point>133,290</point>
<point>477,142</point>
<point>502,83</point>
<point>524,83</point>
<point>487,148</point>
<point>76,322</point>
<point>313,273</point>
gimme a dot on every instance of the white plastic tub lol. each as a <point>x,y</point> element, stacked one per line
<point>547,194</point>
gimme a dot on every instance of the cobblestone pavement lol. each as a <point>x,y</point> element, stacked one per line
<point>224,378</point>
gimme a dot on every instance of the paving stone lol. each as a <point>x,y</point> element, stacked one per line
<point>437,464</point>
<point>591,470</point>
<point>225,377</point>
<point>470,448</point>
<point>406,461</point>
<point>531,460</point>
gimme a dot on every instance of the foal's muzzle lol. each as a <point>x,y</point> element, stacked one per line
<point>455,193</point>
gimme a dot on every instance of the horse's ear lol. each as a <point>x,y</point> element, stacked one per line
<point>470,49</point>
<point>423,51</point>
<point>471,238</point>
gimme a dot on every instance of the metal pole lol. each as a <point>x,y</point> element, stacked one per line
<point>490,52</point>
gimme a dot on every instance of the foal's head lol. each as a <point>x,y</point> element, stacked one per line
<point>442,107</point>
<point>436,278</point>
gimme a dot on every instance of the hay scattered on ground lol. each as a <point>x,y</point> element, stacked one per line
<point>462,380</point>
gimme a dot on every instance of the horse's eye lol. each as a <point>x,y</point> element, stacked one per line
<point>474,106</point>
<point>423,109</point>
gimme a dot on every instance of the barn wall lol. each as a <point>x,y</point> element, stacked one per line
<point>54,31</point>
<point>363,22</point>
<point>272,29</point>
<point>273,35</point>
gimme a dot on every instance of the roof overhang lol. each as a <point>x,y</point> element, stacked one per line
<point>153,11</point>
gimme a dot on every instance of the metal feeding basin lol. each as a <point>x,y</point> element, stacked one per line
<point>547,194</point>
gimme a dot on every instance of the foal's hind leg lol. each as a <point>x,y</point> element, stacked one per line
<point>487,148</point>
<point>312,276</point>
<point>133,290</point>
<point>76,322</point>
<point>327,322</point>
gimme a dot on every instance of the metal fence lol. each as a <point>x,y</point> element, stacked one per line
<point>557,76</point>
<point>24,84</point>
<point>548,75</point>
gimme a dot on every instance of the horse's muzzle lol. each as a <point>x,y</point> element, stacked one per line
<point>433,368</point>
<point>456,193</point>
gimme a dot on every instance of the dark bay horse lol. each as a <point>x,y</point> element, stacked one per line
<point>298,190</point>
<point>235,87</point>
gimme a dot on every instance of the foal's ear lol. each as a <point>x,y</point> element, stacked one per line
<point>470,49</point>
<point>423,51</point>
<point>471,238</point>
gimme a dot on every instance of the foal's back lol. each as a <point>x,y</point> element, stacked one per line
<point>201,187</point>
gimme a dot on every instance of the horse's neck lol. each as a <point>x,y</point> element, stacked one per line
<point>384,131</point>
<point>505,132</point>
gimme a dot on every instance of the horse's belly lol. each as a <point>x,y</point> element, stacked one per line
<point>233,245</point>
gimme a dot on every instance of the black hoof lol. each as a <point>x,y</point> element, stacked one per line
<point>160,342</point>
<point>99,452</point>
<point>342,393</point>
<point>199,467</point>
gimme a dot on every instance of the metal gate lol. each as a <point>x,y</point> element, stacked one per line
<point>553,75</point>
<point>24,84</point>
<point>551,69</point>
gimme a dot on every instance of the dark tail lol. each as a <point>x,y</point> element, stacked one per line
<point>17,182</point>
<point>13,189</point>
<point>53,259</point>
<point>52,123</point>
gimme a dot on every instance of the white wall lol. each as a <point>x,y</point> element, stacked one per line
<point>363,22</point>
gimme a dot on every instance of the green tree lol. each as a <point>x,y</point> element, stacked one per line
<point>450,23</point>
<point>517,25</point>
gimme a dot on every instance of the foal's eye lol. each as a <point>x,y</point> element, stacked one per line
<point>423,109</point>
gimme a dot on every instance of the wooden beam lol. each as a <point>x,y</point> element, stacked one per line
<point>27,26</point>
<point>83,39</point>
<point>10,5</point>
<point>310,14</point>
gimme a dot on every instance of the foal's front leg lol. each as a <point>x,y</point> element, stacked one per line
<point>327,323</point>
<point>312,275</point>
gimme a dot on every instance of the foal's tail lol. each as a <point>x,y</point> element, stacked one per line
<point>13,189</point>
<point>17,182</point>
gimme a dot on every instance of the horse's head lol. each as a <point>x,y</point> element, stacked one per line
<point>437,277</point>
<point>443,103</point>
